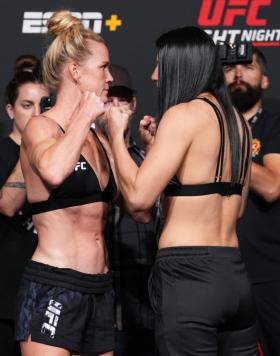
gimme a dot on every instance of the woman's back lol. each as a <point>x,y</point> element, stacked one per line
<point>201,205</point>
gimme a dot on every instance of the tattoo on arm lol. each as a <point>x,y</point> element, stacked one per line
<point>15,185</point>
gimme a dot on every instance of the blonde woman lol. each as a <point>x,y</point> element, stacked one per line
<point>65,304</point>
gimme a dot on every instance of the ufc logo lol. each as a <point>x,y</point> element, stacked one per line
<point>36,22</point>
<point>52,313</point>
<point>81,166</point>
<point>224,12</point>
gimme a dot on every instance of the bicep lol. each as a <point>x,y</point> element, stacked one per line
<point>271,161</point>
<point>37,139</point>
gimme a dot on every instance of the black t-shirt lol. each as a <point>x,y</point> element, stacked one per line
<point>17,236</point>
<point>9,155</point>
<point>259,228</point>
<point>132,248</point>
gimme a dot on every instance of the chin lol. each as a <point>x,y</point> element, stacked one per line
<point>104,97</point>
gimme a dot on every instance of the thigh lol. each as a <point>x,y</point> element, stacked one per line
<point>32,348</point>
<point>238,342</point>
<point>267,301</point>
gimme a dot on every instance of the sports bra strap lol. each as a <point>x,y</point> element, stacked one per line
<point>220,162</point>
<point>103,148</point>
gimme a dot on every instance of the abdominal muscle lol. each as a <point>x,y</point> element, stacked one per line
<point>73,238</point>
<point>207,220</point>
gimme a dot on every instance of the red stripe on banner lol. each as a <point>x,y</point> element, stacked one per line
<point>266,44</point>
<point>260,350</point>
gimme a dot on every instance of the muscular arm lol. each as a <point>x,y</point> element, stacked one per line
<point>53,155</point>
<point>141,186</point>
<point>265,180</point>
<point>13,193</point>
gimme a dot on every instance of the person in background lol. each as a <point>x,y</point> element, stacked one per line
<point>18,238</point>
<point>132,246</point>
<point>258,229</point>
<point>27,63</point>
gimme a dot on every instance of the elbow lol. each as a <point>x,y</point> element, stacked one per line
<point>52,176</point>
<point>52,179</point>
<point>137,202</point>
<point>271,194</point>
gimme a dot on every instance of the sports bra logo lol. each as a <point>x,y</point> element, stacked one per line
<point>81,166</point>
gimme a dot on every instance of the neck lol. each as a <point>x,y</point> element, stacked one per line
<point>15,135</point>
<point>253,110</point>
<point>67,102</point>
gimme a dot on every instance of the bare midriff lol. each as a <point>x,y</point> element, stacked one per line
<point>207,220</point>
<point>73,238</point>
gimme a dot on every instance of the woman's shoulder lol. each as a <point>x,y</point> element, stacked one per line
<point>193,113</point>
<point>40,126</point>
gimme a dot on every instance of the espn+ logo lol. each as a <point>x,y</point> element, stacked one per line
<point>36,22</point>
<point>226,13</point>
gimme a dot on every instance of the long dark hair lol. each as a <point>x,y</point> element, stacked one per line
<point>188,64</point>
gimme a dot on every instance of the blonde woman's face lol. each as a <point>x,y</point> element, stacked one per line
<point>94,72</point>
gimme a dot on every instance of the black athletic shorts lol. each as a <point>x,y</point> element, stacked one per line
<point>203,303</point>
<point>66,308</point>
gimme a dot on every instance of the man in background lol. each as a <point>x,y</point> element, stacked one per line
<point>259,228</point>
<point>132,247</point>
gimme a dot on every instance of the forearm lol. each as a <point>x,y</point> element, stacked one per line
<point>13,193</point>
<point>126,170</point>
<point>264,183</point>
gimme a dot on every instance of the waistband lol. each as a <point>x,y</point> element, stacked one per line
<point>68,278</point>
<point>181,251</point>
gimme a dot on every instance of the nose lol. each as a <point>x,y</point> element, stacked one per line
<point>116,102</point>
<point>238,71</point>
<point>154,75</point>
<point>109,77</point>
<point>36,110</point>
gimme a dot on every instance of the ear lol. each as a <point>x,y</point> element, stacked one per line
<point>10,111</point>
<point>265,82</point>
<point>74,71</point>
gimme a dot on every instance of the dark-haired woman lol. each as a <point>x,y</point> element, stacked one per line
<point>200,159</point>
<point>17,237</point>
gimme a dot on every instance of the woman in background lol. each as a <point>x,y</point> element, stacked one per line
<point>17,236</point>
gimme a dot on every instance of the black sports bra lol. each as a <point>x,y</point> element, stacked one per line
<point>175,188</point>
<point>79,188</point>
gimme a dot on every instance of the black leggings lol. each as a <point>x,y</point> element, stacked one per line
<point>203,304</point>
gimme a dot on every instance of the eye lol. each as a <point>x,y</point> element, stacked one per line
<point>228,68</point>
<point>123,101</point>
<point>26,105</point>
<point>250,66</point>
